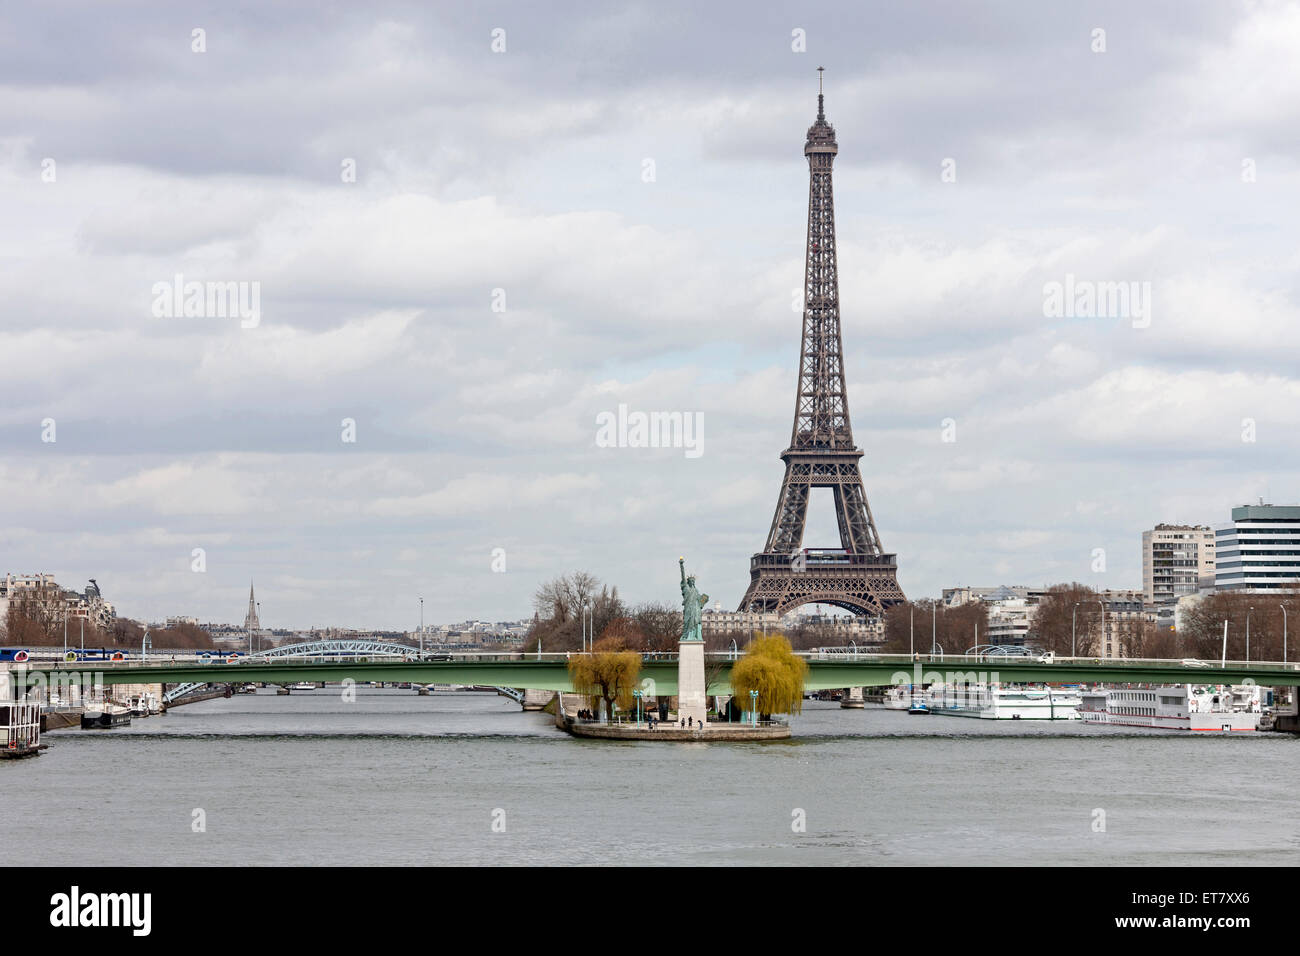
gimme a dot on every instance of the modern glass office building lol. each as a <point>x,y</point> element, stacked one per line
<point>1260,550</point>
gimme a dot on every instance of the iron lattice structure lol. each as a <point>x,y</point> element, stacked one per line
<point>858,576</point>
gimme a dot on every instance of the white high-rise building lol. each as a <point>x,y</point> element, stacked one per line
<point>1259,550</point>
<point>1177,560</point>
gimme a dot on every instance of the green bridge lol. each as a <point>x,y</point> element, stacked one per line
<point>550,671</point>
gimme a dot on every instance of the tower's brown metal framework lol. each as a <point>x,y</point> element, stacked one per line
<point>859,575</point>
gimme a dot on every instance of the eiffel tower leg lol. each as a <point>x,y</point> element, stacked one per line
<point>786,533</point>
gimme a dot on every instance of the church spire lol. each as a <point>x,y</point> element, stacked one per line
<point>251,622</point>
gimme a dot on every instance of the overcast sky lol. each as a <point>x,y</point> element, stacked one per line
<point>1170,158</point>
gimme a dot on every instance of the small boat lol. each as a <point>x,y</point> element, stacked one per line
<point>104,717</point>
<point>304,685</point>
<point>144,705</point>
<point>919,706</point>
<point>20,730</point>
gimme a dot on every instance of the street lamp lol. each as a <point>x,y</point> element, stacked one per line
<point>1283,607</point>
<point>934,629</point>
<point>637,695</point>
<point>421,628</point>
<point>1248,610</point>
<point>911,630</point>
<point>1102,649</point>
<point>1073,615</point>
<point>753,708</point>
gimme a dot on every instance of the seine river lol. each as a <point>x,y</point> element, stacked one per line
<point>467,778</point>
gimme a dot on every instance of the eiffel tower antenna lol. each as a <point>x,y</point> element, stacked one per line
<point>858,576</point>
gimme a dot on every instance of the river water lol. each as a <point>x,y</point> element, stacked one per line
<point>467,778</point>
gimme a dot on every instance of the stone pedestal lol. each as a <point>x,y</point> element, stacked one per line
<point>691,700</point>
<point>852,698</point>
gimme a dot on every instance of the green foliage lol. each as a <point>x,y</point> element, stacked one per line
<point>609,673</point>
<point>771,668</point>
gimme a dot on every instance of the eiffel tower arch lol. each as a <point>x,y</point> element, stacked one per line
<point>859,576</point>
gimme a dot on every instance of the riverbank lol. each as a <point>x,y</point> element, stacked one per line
<point>715,732</point>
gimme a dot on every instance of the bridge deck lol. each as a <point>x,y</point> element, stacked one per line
<point>550,671</point>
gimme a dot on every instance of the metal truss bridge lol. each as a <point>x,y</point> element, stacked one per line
<point>333,651</point>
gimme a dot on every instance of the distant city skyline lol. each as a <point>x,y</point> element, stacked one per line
<point>1067,277</point>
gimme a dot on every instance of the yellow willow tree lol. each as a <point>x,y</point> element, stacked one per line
<point>771,668</point>
<point>609,672</point>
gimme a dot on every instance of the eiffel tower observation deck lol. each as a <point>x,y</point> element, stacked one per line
<point>858,575</point>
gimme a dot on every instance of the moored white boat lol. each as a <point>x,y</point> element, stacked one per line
<point>1207,708</point>
<point>1005,702</point>
<point>20,730</point>
<point>891,698</point>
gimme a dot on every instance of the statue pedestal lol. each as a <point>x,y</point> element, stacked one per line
<point>692,700</point>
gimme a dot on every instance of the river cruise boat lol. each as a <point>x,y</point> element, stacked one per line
<point>104,716</point>
<point>20,730</point>
<point>890,698</point>
<point>304,685</point>
<point>1207,708</point>
<point>1005,702</point>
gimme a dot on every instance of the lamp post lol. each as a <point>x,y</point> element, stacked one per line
<point>83,633</point>
<point>911,630</point>
<point>1248,610</point>
<point>1102,649</point>
<point>753,708</point>
<point>934,629</point>
<point>421,628</point>
<point>1073,615</point>
<point>637,695</point>
<point>1283,607</point>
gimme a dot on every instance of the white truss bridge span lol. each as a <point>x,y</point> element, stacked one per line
<point>329,651</point>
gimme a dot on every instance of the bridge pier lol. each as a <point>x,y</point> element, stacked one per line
<point>536,699</point>
<point>853,699</point>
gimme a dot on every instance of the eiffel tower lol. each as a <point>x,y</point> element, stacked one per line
<point>858,576</point>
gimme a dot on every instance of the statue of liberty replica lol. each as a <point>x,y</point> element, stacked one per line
<point>692,700</point>
<point>693,604</point>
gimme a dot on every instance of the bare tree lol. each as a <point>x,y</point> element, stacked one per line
<point>1058,622</point>
<point>559,605</point>
<point>661,624</point>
